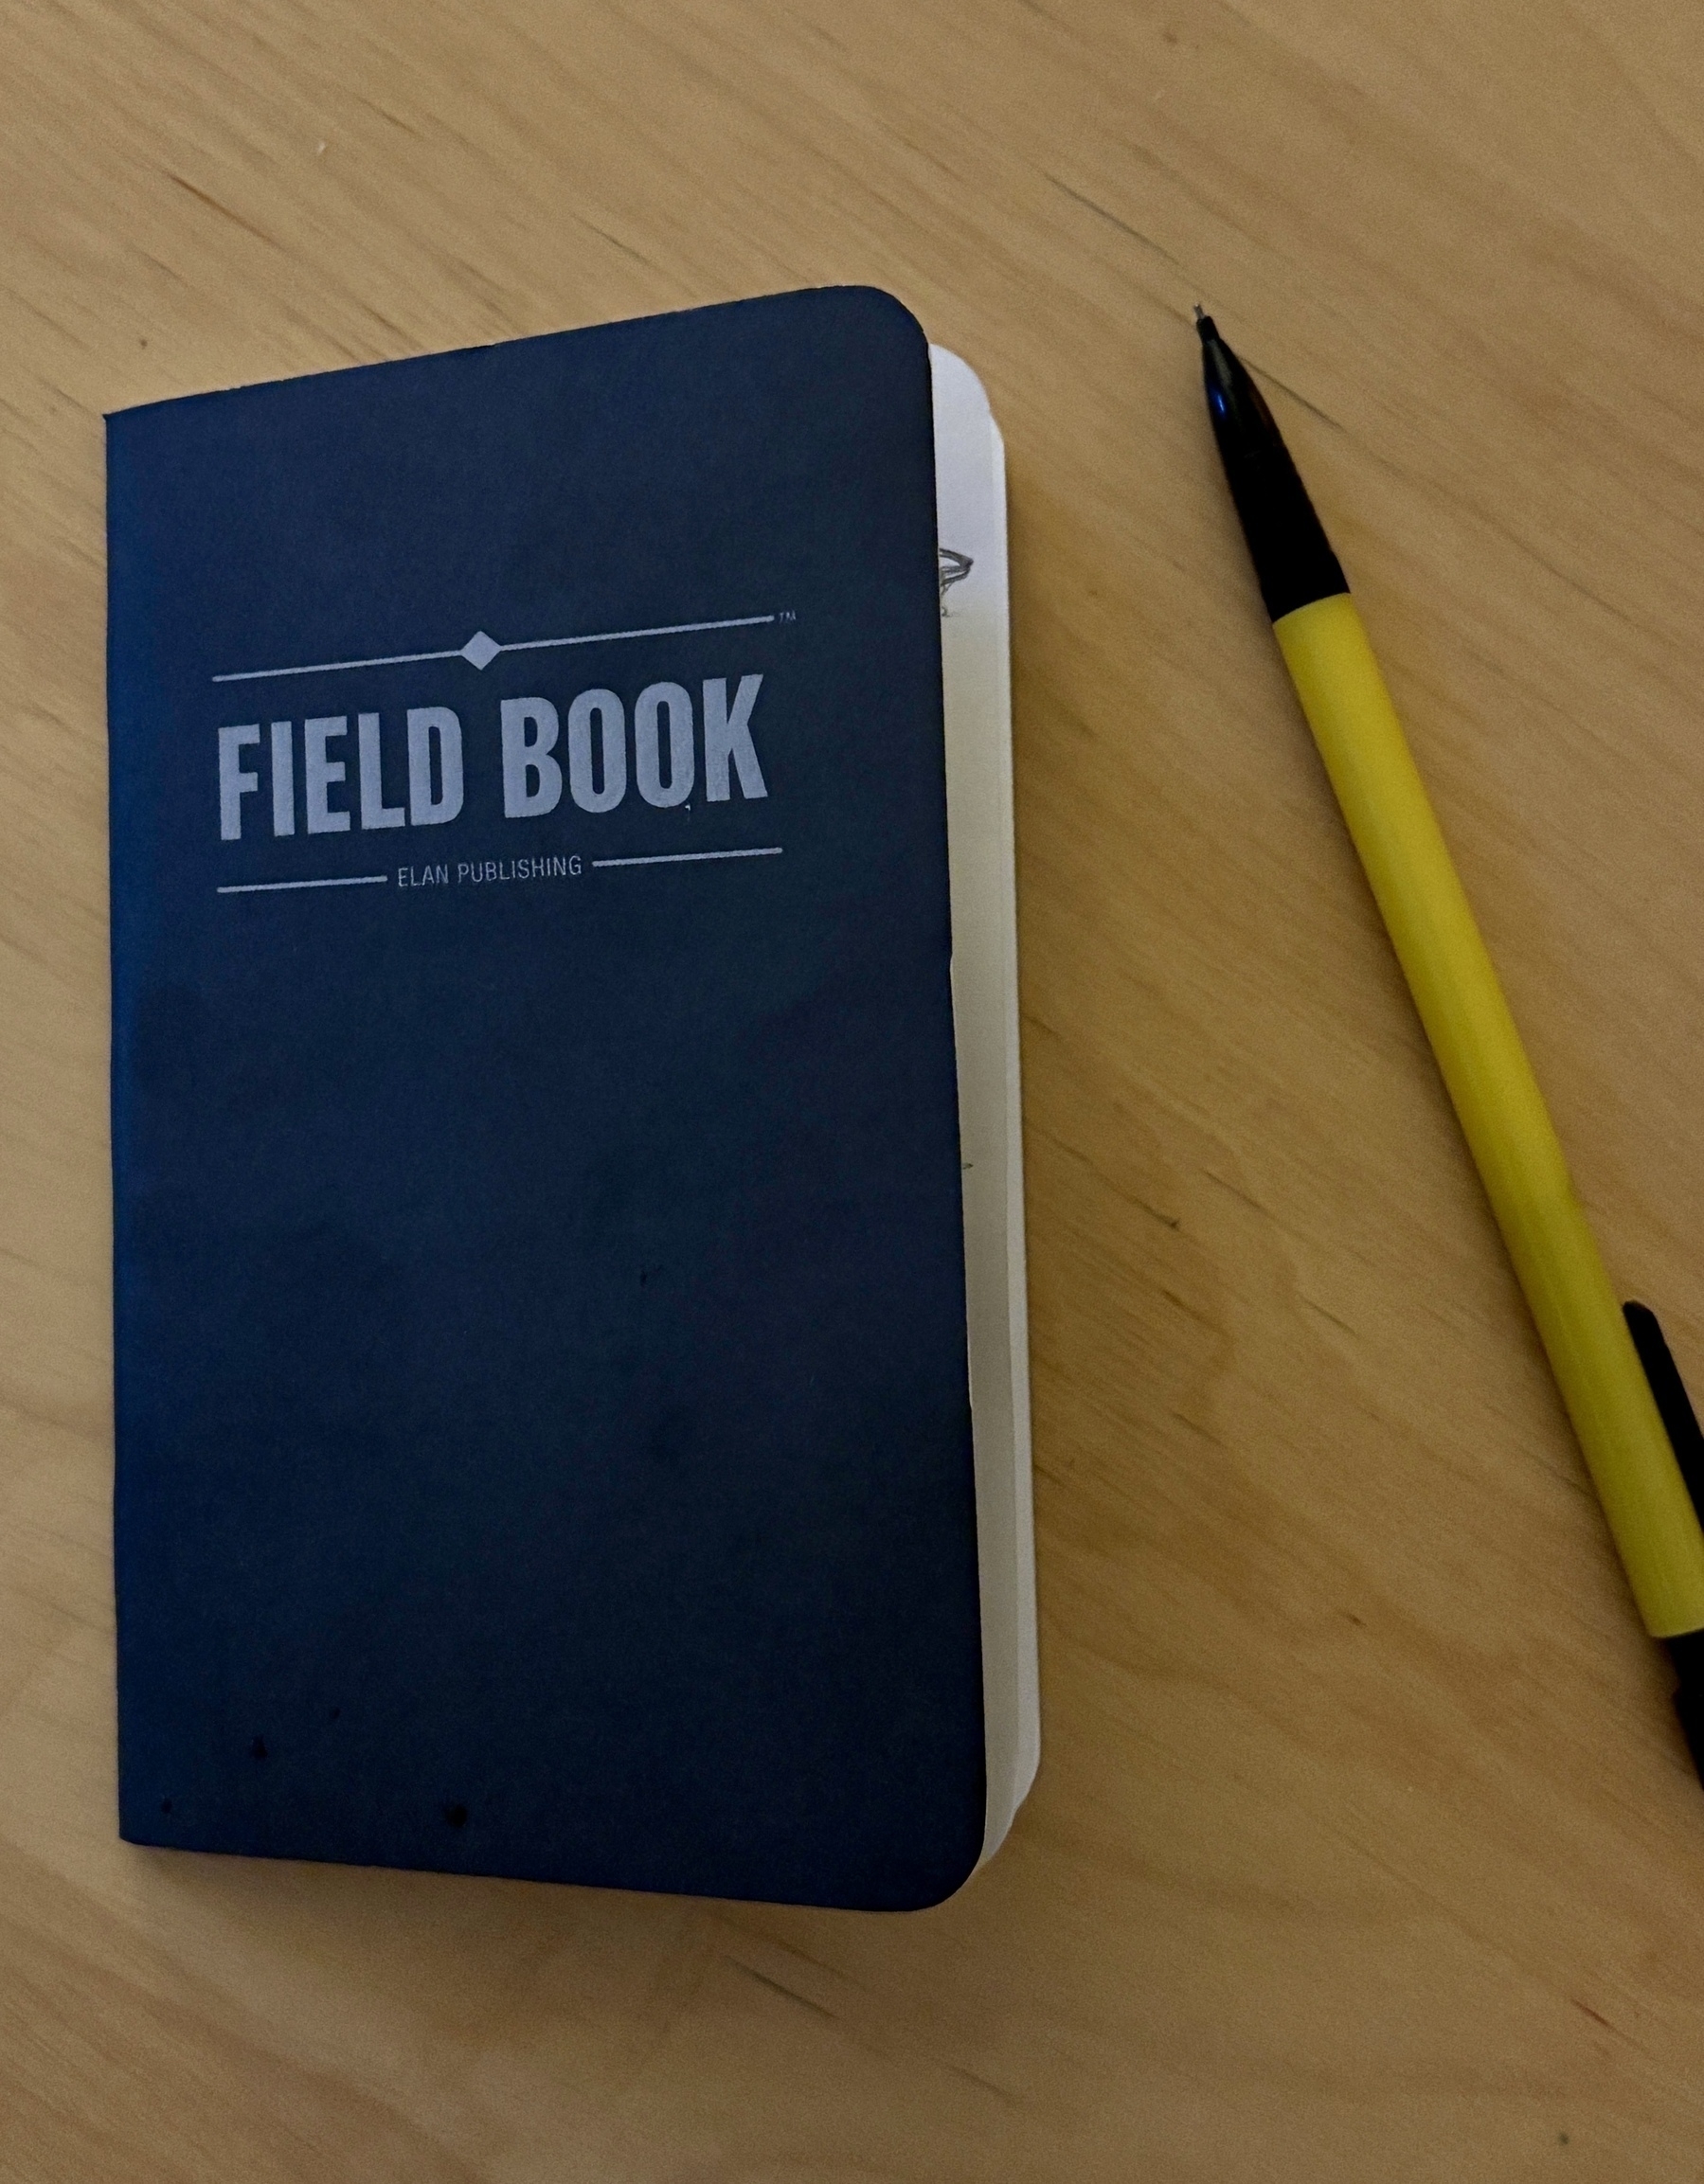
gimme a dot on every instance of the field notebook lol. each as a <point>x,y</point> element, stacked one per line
<point>571,1384</point>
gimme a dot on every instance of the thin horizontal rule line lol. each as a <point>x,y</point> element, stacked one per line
<point>278,886</point>
<point>681,857</point>
<point>523,645</point>
<point>619,636</point>
<point>333,667</point>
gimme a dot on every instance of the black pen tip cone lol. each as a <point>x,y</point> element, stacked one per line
<point>1292,555</point>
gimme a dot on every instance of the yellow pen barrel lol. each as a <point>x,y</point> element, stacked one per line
<point>1501,1110</point>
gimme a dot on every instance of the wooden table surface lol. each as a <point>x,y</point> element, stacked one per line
<point>1364,1845</point>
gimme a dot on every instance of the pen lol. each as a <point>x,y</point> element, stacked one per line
<point>1628,1406</point>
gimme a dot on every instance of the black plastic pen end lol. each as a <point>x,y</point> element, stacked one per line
<point>1687,1655</point>
<point>1673,1405</point>
<point>1680,1422</point>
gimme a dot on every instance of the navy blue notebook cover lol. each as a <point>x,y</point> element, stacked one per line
<point>543,1430</point>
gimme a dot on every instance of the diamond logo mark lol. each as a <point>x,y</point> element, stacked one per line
<point>480,650</point>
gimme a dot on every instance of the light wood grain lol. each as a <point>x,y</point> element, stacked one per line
<point>1364,1845</point>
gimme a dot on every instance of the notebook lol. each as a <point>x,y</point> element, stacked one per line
<point>570,1367</point>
